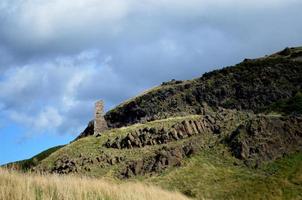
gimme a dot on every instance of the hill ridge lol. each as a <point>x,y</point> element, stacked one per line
<point>250,85</point>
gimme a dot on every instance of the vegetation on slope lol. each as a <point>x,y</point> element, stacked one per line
<point>31,186</point>
<point>25,165</point>
<point>91,157</point>
<point>211,174</point>
<point>214,174</point>
<point>213,171</point>
<point>292,105</point>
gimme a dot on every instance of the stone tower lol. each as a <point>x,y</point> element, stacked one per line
<point>100,123</point>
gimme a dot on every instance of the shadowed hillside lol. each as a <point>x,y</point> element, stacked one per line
<point>250,85</point>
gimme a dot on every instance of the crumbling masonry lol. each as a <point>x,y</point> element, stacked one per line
<point>100,123</point>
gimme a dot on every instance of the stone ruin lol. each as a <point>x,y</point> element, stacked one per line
<point>100,123</point>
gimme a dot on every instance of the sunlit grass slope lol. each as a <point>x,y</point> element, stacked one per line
<point>16,186</point>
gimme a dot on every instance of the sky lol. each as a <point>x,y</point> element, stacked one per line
<point>57,57</point>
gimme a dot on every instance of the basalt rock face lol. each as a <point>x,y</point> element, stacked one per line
<point>89,130</point>
<point>67,165</point>
<point>264,138</point>
<point>153,136</point>
<point>250,85</point>
<point>170,143</point>
<point>64,166</point>
<point>253,138</point>
<point>163,158</point>
<point>211,123</point>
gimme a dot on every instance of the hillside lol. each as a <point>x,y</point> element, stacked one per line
<point>250,85</point>
<point>202,164</point>
<point>234,133</point>
<point>25,165</point>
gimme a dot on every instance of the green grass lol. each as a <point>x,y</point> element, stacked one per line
<point>213,175</point>
<point>26,186</point>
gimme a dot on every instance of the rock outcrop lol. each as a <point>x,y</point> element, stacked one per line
<point>266,138</point>
<point>89,130</point>
<point>66,165</point>
<point>154,136</point>
<point>218,122</point>
<point>164,158</point>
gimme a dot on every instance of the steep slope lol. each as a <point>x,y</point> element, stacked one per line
<point>250,85</point>
<point>226,154</point>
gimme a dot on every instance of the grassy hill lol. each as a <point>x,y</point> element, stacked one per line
<point>234,133</point>
<point>207,175</point>
<point>210,171</point>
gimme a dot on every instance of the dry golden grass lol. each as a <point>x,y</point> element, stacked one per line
<point>16,186</point>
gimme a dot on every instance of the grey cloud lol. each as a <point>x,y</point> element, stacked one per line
<point>58,57</point>
<point>46,28</point>
<point>41,95</point>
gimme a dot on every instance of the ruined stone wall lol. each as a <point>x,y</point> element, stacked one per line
<point>100,123</point>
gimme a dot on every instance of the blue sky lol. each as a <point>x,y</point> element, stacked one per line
<point>58,57</point>
<point>15,147</point>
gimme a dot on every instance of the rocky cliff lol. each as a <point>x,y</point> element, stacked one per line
<point>253,85</point>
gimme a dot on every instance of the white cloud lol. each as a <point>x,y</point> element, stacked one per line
<point>42,95</point>
<point>47,118</point>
